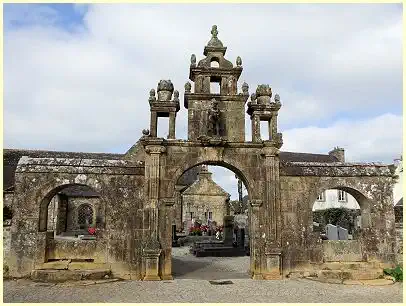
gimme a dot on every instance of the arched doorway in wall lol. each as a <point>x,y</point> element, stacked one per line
<point>336,215</point>
<point>208,193</point>
<point>70,210</point>
<point>339,214</point>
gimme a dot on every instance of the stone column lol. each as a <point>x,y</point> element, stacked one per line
<point>272,214</point>
<point>256,128</point>
<point>172,119</point>
<point>152,248</point>
<point>274,125</point>
<point>270,129</point>
<point>153,124</point>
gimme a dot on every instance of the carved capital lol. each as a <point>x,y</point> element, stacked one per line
<point>168,201</point>
<point>270,151</point>
<point>155,149</point>
<point>256,203</point>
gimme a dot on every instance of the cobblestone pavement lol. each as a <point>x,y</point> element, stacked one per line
<point>191,284</point>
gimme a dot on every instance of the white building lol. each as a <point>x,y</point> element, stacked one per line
<point>334,198</point>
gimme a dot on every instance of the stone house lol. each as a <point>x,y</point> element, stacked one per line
<point>204,200</point>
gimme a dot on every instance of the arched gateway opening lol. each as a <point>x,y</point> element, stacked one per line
<point>210,225</point>
<point>70,215</point>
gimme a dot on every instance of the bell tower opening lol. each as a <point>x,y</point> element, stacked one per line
<point>215,78</point>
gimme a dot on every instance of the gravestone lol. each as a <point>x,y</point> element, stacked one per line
<point>342,233</point>
<point>228,230</point>
<point>331,232</point>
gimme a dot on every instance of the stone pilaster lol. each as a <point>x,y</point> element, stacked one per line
<point>255,236</point>
<point>166,217</point>
<point>152,246</point>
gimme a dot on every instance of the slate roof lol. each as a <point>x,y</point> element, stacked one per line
<point>209,188</point>
<point>306,157</point>
<point>12,156</point>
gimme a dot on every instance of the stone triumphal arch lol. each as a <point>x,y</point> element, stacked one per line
<point>138,196</point>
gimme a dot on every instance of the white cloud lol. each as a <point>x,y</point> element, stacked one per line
<point>86,88</point>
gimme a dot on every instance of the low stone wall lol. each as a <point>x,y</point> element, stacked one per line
<point>76,249</point>
<point>341,250</point>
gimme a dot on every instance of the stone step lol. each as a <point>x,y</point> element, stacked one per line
<point>72,265</point>
<point>351,274</point>
<point>53,275</point>
<point>355,265</point>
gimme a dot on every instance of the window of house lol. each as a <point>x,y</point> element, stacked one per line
<point>191,215</point>
<point>321,197</point>
<point>342,196</point>
<point>210,215</point>
<point>85,215</point>
<point>205,214</point>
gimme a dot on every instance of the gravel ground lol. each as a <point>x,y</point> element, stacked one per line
<point>191,284</point>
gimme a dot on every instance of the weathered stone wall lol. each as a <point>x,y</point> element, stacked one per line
<point>121,188</point>
<point>370,184</point>
<point>6,243</point>
<point>8,198</point>
<point>201,204</point>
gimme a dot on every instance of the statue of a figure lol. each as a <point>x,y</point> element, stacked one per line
<point>214,119</point>
<point>193,60</point>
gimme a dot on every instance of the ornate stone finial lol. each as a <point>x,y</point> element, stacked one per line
<point>214,41</point>
<point>152,97</point>
<point>188,87</point>
<point>238,61</point>
<point>245,88</point>
<point>277,98</point>
<point>193,60</point>
<point>214,31</point>
<point>145,132</point>
<point>176,96</point>
<point>165,90</point>
<point>253,97</point>
<point>264,94</point>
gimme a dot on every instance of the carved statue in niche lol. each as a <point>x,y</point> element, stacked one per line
<point>214,119</point>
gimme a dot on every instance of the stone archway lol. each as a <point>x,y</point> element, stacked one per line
<point>167,216</point>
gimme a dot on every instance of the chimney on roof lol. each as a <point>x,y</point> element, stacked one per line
<point>338,153</point>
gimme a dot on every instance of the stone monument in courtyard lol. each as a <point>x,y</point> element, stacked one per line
<point>138,198</point>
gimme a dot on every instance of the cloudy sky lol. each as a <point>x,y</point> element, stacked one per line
<point>77,77</point>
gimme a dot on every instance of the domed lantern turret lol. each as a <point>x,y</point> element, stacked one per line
<point>212,72</point>
<point>261,108</point>
<point>164,106</point>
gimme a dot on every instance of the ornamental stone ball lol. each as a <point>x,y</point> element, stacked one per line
<point>188,87</point>
<point>165,90</point>
<point>145,132</point>
<point>239,61</point>
<point>245,88</point>
<point>152,97</point>
<point>264,94</point>
<point>193,60</point>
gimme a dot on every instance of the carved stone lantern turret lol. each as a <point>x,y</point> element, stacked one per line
<point>215,77</point>
<point>164,106</point>
<point>261,108</point>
